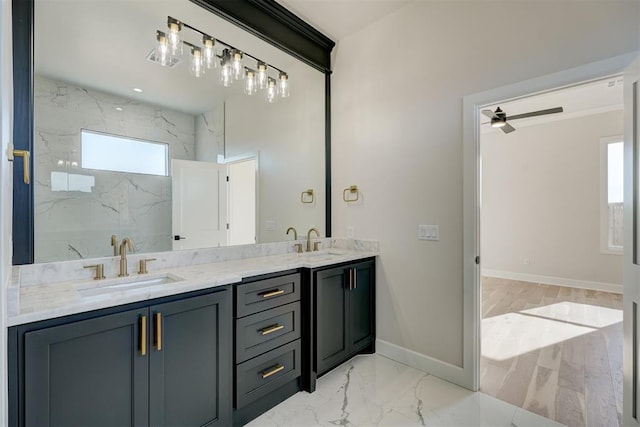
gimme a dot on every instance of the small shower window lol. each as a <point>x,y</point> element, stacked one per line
<point>123,154</point>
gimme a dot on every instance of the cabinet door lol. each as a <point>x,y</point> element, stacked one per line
<point>332,341</point>
<point>362,306</point>
<point>190,362</point>
<point>87,373</point>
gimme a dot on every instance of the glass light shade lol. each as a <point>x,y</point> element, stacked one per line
<point>226,72</point>
<point>262,75</point>
<point>250,83</point>
<point>162,49</point>
<point>236,64</point>
<point>197,62</point>
<point>175,44</point>
<point>283,85</point>
<point>272,91</point>
<point>208,52</point>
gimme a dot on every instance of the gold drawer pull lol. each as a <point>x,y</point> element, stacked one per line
<point>271,329</point>
<point>272,293</point>
<point>271,371</point>
<point>143,335</point>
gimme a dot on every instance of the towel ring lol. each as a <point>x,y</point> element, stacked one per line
<point>347,194</point>
<point>310,196</point>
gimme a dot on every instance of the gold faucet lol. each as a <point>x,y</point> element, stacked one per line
<point>114,243</point>
<point>295,232</point>
<point>309,239</point>
<point>126,242</point>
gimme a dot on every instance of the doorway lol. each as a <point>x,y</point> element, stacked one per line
<point>551,276</point>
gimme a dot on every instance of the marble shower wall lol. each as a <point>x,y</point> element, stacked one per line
<point>210,134</point>
<point>77,224</point>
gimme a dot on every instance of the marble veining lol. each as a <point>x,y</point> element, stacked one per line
<point>48,290</point>
<point>371,390</point>
<point>76,223</point>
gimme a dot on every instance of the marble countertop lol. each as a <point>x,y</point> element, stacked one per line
<point>46,301</point>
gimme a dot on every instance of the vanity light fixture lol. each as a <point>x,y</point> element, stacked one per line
<point>204,56</point>
<point>236,63</point>
<point>175,27</point>
<point>197,62</point>
<point>250,83</point>
<point>162,49</point>
<point>271,90</point>
<point>208,51</point>
<point>283,84</point>
<point>226,72</point>
<point>137,89</point>
<point>262,75</point>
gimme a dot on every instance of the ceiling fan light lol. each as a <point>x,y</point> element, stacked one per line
<point>498,123</point>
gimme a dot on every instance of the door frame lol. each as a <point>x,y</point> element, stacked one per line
<point>470,374</point>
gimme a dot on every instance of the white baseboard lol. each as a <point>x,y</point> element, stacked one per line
<point>438,368</point>
<point>557,281</point>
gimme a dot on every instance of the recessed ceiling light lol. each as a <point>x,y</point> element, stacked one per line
<point>119,108</point>
<point>137,89</point>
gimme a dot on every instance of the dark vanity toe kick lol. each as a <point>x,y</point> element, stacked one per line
<point>264,374</point>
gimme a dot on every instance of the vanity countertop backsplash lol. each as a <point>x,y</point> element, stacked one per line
<point>49,290</point>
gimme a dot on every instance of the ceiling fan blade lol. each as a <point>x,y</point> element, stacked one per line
<point>536,113</point>
<point>507,128</point>
<point>488,113</point>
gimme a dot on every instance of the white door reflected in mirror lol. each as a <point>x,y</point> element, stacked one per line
<point>199,204</point>
<point>242,202</point>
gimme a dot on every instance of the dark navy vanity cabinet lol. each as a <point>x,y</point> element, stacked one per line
<point>158,363</point>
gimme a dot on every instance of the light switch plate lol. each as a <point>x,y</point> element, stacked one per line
<point>428,232</point>
<point>270,225</point>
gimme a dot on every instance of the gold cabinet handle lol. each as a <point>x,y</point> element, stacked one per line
<point>143,335</point>
<point>350,279</point>
<point>159,331</point>
<point>271,329</point>
<point>271,371</point>
<point>355,279</point>
<point>270,294</point>
<point>25,159</point>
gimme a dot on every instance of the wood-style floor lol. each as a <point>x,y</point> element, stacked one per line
<point>553,350</point>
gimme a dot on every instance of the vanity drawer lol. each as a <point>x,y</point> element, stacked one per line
<point>262,375</point>
<point>265,294</point>
<point>264,331</point>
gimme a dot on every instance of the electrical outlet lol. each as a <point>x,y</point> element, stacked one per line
<point>526,261</point>
<point>350,232</point>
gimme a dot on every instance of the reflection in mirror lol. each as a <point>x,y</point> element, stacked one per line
<point>127,147</point>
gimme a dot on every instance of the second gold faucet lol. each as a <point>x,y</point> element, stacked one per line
<point>126,242</point>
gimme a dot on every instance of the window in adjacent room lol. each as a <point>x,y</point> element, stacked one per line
<point>122,154</point>
<point>611,195</point>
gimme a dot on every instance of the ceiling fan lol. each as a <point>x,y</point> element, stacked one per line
<point>499,118</point>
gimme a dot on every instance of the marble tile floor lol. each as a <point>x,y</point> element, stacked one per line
<point>552,350</point>
<point>371,390</point>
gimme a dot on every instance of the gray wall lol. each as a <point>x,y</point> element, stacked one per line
<point>541,201</point>
<point>397,91</point>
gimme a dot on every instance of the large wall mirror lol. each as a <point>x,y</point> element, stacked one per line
<point>126,146</point>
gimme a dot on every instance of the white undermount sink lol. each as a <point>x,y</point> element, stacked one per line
<point>133,282</point>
